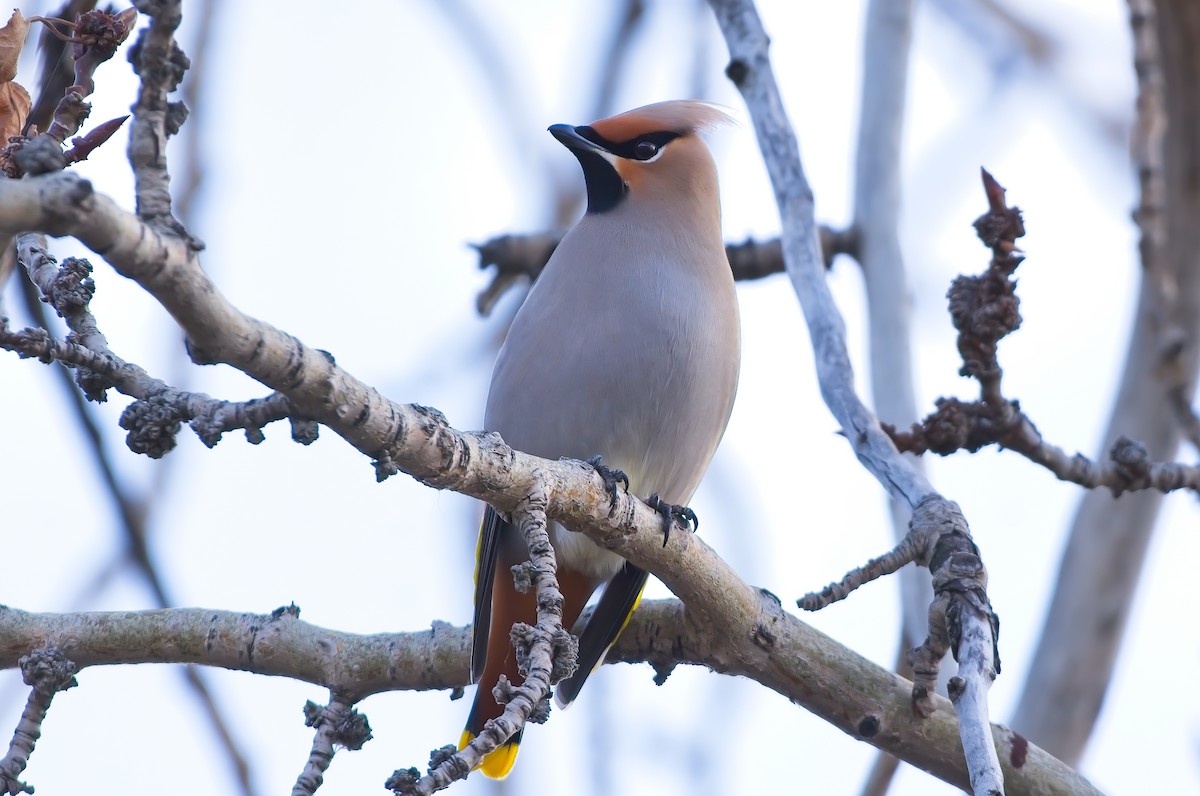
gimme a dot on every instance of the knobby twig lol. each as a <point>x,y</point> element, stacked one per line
<point>155,418</point>
<point>546,653</point>
<point>938,525</point>
<point>160,63</point>
<point>984,310</point>
<point>56,67</point>
<point>47,671</point>
<point>337,724</point>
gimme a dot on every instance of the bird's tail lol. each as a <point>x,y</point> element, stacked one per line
<point>617,604</point>
<point>496,601</point>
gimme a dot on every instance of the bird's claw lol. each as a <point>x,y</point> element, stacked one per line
<point>611,478</point>
<point>672,513</point>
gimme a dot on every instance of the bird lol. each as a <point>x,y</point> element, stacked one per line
<point>625,352</point>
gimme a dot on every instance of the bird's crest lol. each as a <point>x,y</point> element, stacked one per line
<point>684,117</point>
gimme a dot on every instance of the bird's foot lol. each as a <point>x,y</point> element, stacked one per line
<point>671,514</point>
<point>611,479</point>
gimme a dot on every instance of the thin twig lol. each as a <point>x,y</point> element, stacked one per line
<point>546,653</point>
<point>47,671</point>
<point>953,559</point>
<point>984,310</point>
<point>160,63</point>
<point>337,724</point>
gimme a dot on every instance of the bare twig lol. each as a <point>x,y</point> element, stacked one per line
<point>160,63</point>
<point>546,653</point>
<point>47,671</point>
<point>337,724</point>
<point>155,418</point>
<point>887,564</point>
<point>938,523</point>
<point>984,310</point>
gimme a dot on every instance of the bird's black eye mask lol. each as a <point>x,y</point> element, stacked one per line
<point>643,147</point>
<point>605,188</point>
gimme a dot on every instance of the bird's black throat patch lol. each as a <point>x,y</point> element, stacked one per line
<point>605,188</point>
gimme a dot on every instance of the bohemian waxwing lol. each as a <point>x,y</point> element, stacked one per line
<point>627,346</point>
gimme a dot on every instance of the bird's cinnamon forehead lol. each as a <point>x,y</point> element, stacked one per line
<point>676,116</point>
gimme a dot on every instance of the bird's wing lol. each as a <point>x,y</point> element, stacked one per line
<point>615,607</point>
<point>491,531</point>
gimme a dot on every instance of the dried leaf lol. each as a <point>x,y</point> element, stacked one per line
<point>12,39</point>
<point>14,109</point>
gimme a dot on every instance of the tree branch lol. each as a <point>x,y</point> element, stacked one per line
<point>974,639</point>
<point>47,671</point>
<point>876,229</point>
<point>857,696</point>
<point>984,310</point>
<point>337,724</point>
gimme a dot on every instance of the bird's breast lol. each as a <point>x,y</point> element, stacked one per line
<point>624,350</point>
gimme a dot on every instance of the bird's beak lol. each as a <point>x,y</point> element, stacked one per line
<point>568,137</point>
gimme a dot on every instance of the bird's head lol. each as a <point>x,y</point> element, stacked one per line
<point>652,152</point>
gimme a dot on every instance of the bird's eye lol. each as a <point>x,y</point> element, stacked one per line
<point>645,150</point>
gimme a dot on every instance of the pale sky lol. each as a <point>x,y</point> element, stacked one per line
<point>350,159</point>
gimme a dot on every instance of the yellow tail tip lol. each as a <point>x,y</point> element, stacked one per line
<point>497,764</point>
